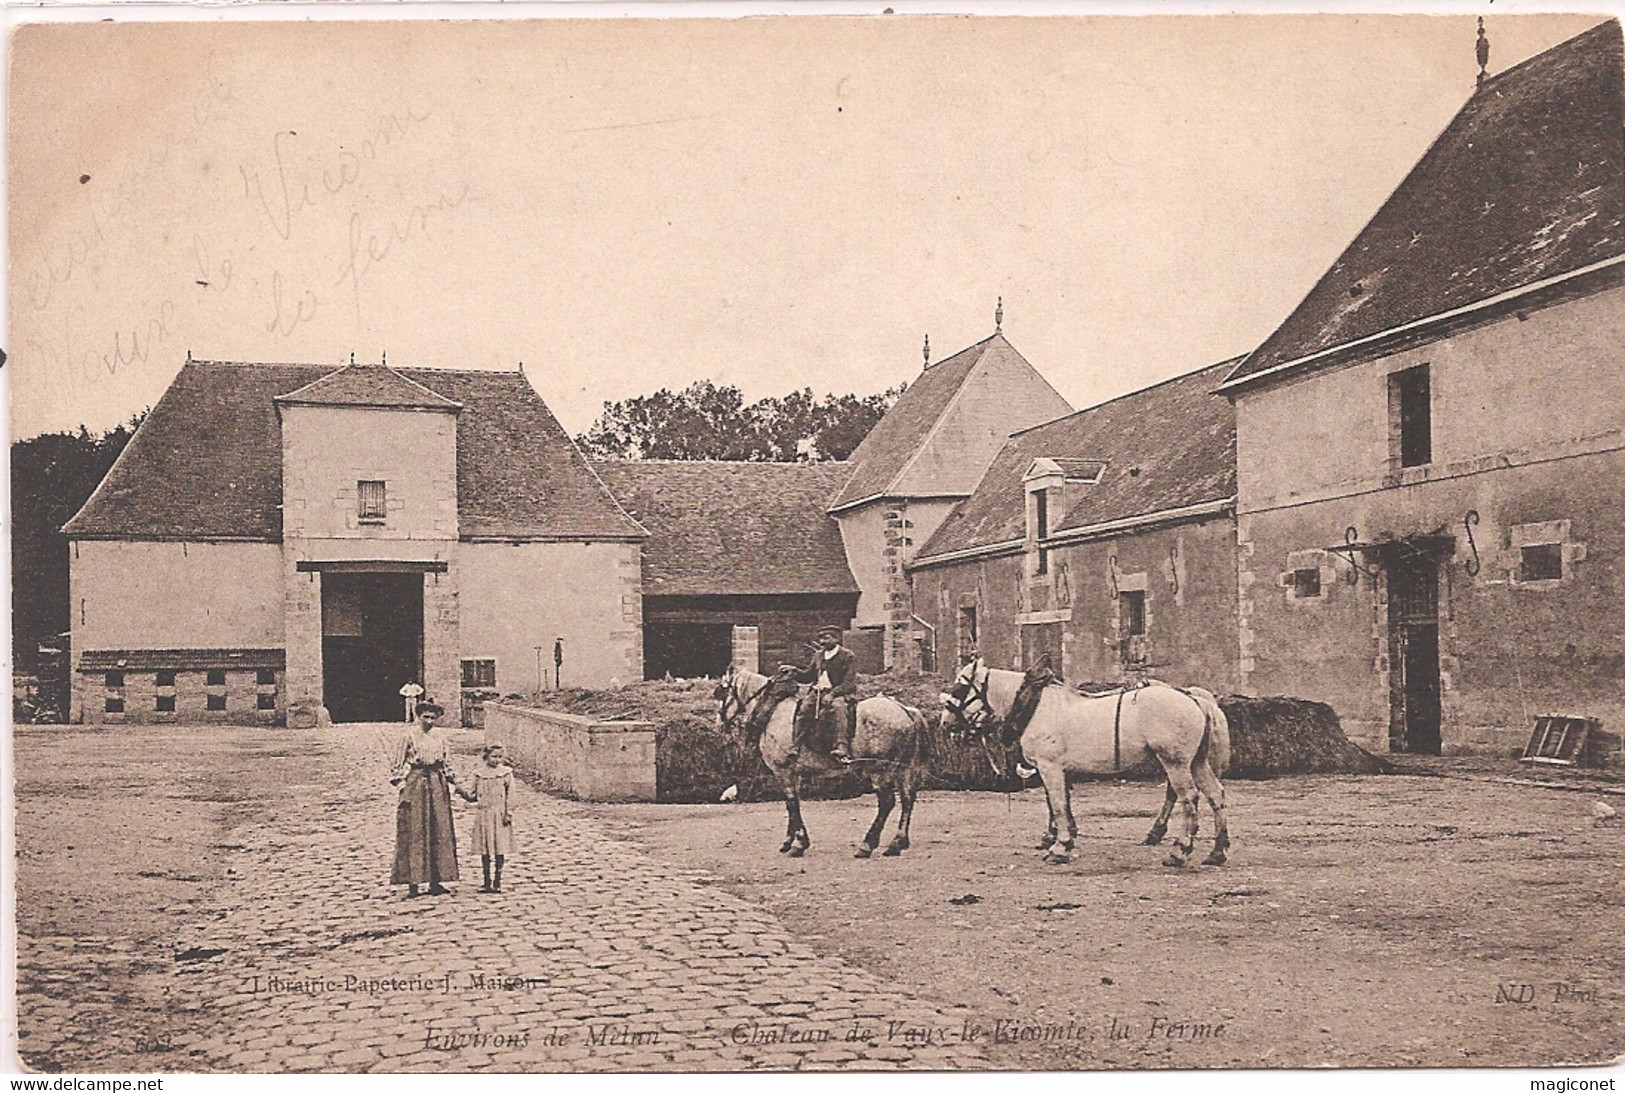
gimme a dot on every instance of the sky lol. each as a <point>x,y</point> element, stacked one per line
<point>622,205</point>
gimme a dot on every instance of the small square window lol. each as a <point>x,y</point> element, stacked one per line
<point>165,679</point>
<point>1306,582</point>
<point>217,677</point>
<point>217,702</point>
<point>480,672</point>
<point>371,503</point>
<point>115,704</point>
<point>263,702</point>
<point>1542,562</point>
<point>265,677</point>
<point>115,679</point>
<point>165,704</point>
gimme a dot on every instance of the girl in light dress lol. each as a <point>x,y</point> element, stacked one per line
<point>492,795</point>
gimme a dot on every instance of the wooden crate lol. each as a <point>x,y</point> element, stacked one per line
<point>1559,739</point>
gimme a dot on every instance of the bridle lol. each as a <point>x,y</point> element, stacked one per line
<point>968,700</point>
<point>736,706</point>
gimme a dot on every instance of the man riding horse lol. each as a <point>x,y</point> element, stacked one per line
<point>833,674</point>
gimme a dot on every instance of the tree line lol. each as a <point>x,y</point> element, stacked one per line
<point>52,476</point>
<point>704,421</point>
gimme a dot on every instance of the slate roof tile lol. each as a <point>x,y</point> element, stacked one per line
<point>1526,183</point>
<point>898,436</point>
<point>367,385</point>
<point>734,528</point>
<point>207,462</point>
<point>1164,447</point>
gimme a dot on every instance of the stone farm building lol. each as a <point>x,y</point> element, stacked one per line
<point>742,565</point>
<point>923,458</point>
<point>1405,502</point>
<point>275,533</point>
<point>284,533</point>
<point>1105,539</point>
<point>1431,447</point>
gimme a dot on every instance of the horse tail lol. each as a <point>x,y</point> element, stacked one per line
<point>1215,746</point>
<point>924,745</point>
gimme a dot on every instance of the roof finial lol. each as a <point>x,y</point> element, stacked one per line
<point>352,358</point>
<point>188,356</point>
<point>521,368</point>
<point>998,316</point>
<point>1483,53</point>
<point>928,350</point>
<point>383,359</point>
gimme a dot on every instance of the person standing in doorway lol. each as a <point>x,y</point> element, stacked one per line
<point>411,692</point>
<point>425,844</point>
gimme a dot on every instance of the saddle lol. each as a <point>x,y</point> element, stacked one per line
<point>815,730</point>
<point>1112,690</point>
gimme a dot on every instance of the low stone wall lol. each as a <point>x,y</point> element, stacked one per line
<point>578,756</point>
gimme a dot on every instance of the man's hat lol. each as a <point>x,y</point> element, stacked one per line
<point>429,705</point>
<point>833,631</point>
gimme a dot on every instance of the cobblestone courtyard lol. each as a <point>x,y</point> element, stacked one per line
<point>194,899</point>
<point>221,905</point>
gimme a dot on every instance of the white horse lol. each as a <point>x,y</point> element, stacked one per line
<point>1069,733</point>
<point>888,747</point>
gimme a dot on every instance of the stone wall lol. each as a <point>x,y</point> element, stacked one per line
<point>577,756</point>
<point>1527,448</point>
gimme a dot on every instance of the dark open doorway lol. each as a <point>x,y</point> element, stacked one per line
<point>686,649</point>
<point>1413,651</point>
<point>372,643</point>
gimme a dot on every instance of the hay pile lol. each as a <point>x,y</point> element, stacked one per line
<point>695,760</point>
<point>1270,737</point>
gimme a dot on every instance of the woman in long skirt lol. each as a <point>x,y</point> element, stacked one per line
<point>425,844</point>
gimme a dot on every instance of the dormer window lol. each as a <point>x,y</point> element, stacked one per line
<point>370,502</point>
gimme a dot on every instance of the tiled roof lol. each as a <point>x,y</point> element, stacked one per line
<point>1526,183</point>
<point>719,528</point>
<point>367,385</point>
<point>898,436</point>
<point>1165,447</point>
<point>207,462</point>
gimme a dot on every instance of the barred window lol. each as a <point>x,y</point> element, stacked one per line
<point>1133,613</point>
<point>216,677</point>
<point>165,679</point>
<point>370,500</point>
<point>217,702</point>
<point>265,677</point>
<point>265,701</point>
<point>115,679</point>
<point>165,704</point>
<point>480,673</point>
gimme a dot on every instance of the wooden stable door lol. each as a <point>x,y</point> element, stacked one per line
<point>1413,653</point>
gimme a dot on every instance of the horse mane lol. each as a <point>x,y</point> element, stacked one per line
<point>1033,684</point>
